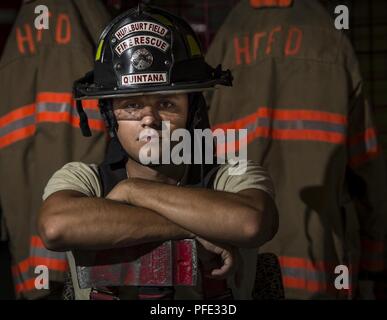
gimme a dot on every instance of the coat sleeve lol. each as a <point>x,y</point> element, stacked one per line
<point>367,178</point>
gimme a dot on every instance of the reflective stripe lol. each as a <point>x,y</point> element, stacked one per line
<point>270,3</point>
<point>299,283</point>
<point>65,107</point>
<point>21,272</point>
<point>279,124</point>
<point>372,255</point>
<point>373,245</point>
<point>39,255</point>
<point>295,262</point>
<point>307,274</point>
<point>64,97</point>
<point>296,125</point>
<point>303,274</point>
<point>17,135</point>
<point>49,107</point>
<point>24,286</point>
<point>17,114</point>
<point>363,147</point>
<point>17,124</point>
<point>284,114</point>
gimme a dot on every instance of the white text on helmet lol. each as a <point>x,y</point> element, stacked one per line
<point>141,41</point>
<point>130,79</point>
<point>141,26</point>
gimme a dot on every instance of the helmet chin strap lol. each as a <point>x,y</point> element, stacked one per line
<point>197,119</point>
<point>173,171</point>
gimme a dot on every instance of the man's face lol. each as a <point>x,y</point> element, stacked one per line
<point>136,115</point>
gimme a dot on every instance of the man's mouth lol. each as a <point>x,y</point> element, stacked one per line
<point>148,135</point>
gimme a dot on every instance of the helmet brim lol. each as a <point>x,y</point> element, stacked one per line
<point>87,92</point>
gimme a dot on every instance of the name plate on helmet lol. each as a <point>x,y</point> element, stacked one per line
<point>131,79</point>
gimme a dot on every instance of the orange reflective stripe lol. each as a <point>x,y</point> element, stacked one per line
<point>295,262</point>
<point>368,134</point>
<point>17,114</point>
<point>36,242</point>
<point>372,257</point>
<point>33,261</point>
<point>90,104</point>
<point>51,263</point>
<point>270,3</point>
<point>56,117</point>
<point>17,135</point>
<point>97,125</point>
<point>27,285</point>
<point>54,107</point>
<point>65,97</point>
<point>312,135</point>
<point>372,265</point>
<point>306,135</point>
<point>55,97</point>
<point>360,159</point>
<point>48,116</point>
<point>372,245</point>
<point>316,287</point>
<point>281,114</point>
<point>304,125</point>
<point>21,267</point>
<point>363,147</point>
<point>297,283</point>
<point>304,274</point>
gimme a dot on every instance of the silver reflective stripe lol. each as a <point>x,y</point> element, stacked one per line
<point>16,125</point>
<point>313,275</point>
<point>296,125</point>
<point>363,147</point>
<point>65,107</point>
<point>45,253</point>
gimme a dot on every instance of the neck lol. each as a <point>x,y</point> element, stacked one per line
<point>171,174</point>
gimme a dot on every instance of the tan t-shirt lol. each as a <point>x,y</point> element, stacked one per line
<point>84,178</point>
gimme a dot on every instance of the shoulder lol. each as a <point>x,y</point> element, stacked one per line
<point>77,176</point>
<point>242,175</point>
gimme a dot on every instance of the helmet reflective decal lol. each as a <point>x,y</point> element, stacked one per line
<point>133,79</point>
<point>141,59</point>
<point>147,26</point>
<point>193,46</point>
<point>99,51</point>
<point>141,41</point>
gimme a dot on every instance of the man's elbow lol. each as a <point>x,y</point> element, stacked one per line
<point>261,228</point>
<point>51,230</point>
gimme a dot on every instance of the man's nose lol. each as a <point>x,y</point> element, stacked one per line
<point>150,117</point>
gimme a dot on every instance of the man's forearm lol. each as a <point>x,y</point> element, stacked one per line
<point>220,216</point>
<point>97,223</point>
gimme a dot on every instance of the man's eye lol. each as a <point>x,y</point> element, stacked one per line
<point>166,104</point>
<point>133,106</point>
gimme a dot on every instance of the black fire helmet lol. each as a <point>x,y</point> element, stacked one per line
<point>146,50</point>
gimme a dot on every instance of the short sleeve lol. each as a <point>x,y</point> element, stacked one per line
<point>76,176</point>
<point>233,178</point>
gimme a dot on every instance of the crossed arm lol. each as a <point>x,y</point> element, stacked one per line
<point>139,211</point>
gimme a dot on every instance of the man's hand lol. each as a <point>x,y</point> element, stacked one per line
<point>120,192</point>
<point>229,256</point>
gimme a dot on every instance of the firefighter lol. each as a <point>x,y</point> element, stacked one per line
<point>299,92</point>
<point>37,120</point>
<point>149,69</point>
